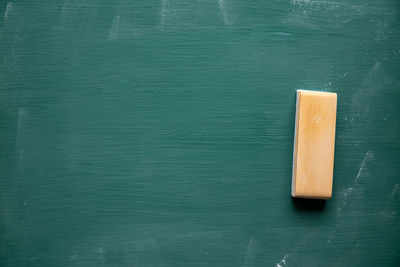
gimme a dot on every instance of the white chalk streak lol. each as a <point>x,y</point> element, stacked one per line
<point>114,31</point>
<point>10,7</point>
<point>223,8</point>
<point>282,262</point>
<point>251,251</point>
<point>368,156</point>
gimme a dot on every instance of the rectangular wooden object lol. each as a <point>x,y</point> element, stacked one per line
<point>314,144</point>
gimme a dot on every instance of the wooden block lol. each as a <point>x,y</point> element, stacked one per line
<point>314,144</point>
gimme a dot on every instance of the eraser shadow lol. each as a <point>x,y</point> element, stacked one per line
<point>308,204</point>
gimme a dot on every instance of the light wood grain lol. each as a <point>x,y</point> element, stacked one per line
<point>314,144</point>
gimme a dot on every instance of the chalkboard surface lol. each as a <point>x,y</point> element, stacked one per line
<point>160,133</point>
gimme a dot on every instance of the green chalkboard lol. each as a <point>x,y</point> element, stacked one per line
<point>160,133</point>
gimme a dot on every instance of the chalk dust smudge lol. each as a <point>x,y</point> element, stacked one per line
<point>368,156</point>
<point>114,31</point>
<point>283,261</point>
<point>251,252</point>
<point>10,7</point>
<point>225,12</point>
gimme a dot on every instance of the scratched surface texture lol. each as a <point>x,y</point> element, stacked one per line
<point>160,133</point>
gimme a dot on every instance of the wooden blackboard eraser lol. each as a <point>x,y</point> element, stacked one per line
<point>314,144</point>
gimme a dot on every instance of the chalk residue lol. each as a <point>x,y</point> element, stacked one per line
<point>20,132</point>
<point>166,14</point>
<point>299,2</point>
<point>353,192</point>
<point>344,195</point>
<point>369,87</point>
<point>388,206</point>
<point>74,257</point>
<point>347,192</point>
<point>20,122</point>
<point>314,3</point>
<point>163,12</point>
<point>282,262</point>
<point>282,33</point>
<point>394,191</point>
<point>224,8</point>
<point>10,7</point>
<point>368,156</point>
<point>370,75</point>
<point>327,5</point>
<point>251,252</point>
<point>114,31</point>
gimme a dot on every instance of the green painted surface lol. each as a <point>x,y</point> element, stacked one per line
<point>160,133</point>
